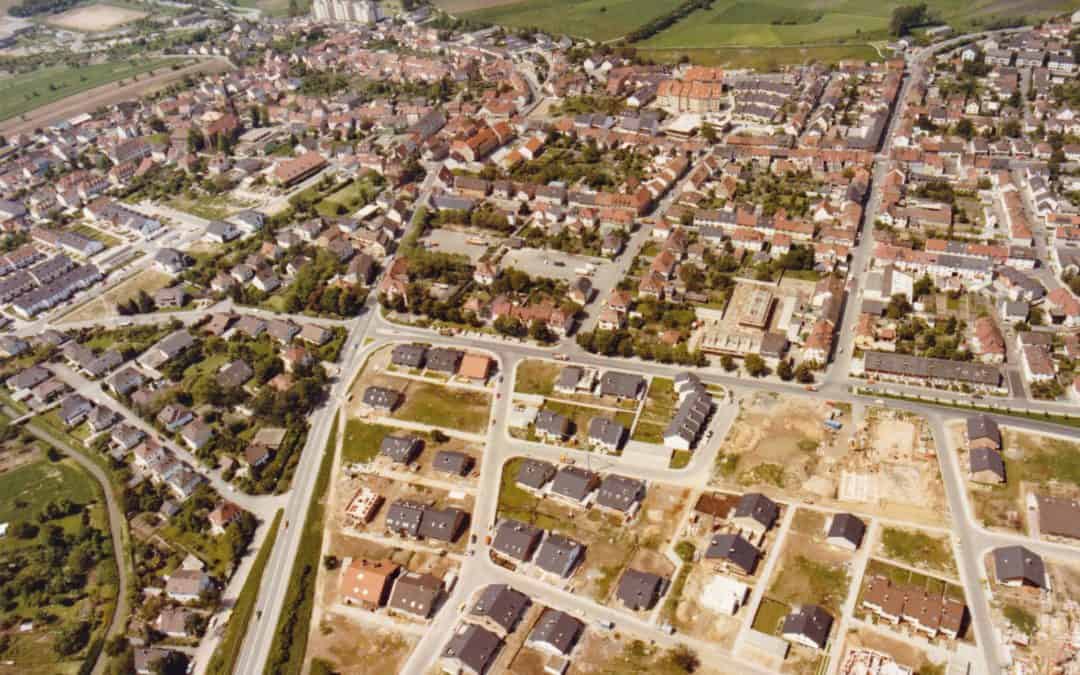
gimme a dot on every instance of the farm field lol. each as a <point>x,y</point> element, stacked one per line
<point>764,58</point>
<point>23,93</point>
<point>733,33</point>
<point>774,23</point>
<point>95,18</point>
<point>591,19</point>
<point>753,23</point>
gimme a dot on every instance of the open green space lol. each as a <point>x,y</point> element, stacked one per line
<point>362,441</point>
<point>55,513</point>
<point>918,549</point>
<point>806,581</point>
<point>770,616</point>
<point>446,407</point>
<point>591,19</point>
<point>659,409</point>
<point>23,93</point>
<point>536,377</point>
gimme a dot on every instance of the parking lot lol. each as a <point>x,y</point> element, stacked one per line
<point>461,243</point>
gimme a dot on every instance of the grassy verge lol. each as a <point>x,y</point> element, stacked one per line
<point>228,651</point>
<point>290,638</point>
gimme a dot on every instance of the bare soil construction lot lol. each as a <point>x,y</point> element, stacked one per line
<point>879,459</point>
<point>95,18</point>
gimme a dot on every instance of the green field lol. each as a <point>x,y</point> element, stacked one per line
<point>23,93</point>
<point>591,19</point>
<point>733,32</point>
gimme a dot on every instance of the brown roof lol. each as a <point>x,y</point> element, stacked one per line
<point>368,580</point>
<point>474,366</point>
<point>1059,516</point>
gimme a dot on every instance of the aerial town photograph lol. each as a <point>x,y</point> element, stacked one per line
<point>539,337</point>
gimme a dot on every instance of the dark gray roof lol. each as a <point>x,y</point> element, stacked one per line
<point>557,629</point>
<point>848,527</point>
<point>926,368</point>
<point>235,374</point>
<point>410,356</point>
<point>982,426</point>
<point>552,423</point>
<point>690,418</point>
<point>516,539</point>
<point>987,459</point>
<point>401,449</point>
<point>558,554</point>
<point>452,461</point>
<point>404,516</point>
<point>811,622</point>
<point>502,604</point>
<point>623,385</point>
<point>443,524</point>
<point>474,646</point>
<point>619,492</point>
<point>569,377</point>
<point>734,549</point>
<point>444,360</point>
<point>606,431</point>
<point>574,483</point>
<point>639,590</point>
<point>381,397</point>
<point>1018,563</point>
<point>535,473</point>
<point>758,507</point>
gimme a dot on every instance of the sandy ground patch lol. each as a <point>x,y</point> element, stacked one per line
<point>356,650</point>
<point>96,18</point>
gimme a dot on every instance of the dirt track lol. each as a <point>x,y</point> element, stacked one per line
<point>106,94</point>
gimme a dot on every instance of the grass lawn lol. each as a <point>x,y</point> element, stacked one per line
<point>659,409</point>
<point>31,486</point>
<point>803,581</point>
<point>362,441</point>
<point>592,19</point>
<point>210,208</point>
<point>770,616</point>
<point>23,93</point>
<point>93,233</point>
<point>680,459</point>
<point>536,377</point>
<point>1044,459</point>
<point>446,407</point>
<point>918,549</point>
<point>346,200</point>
